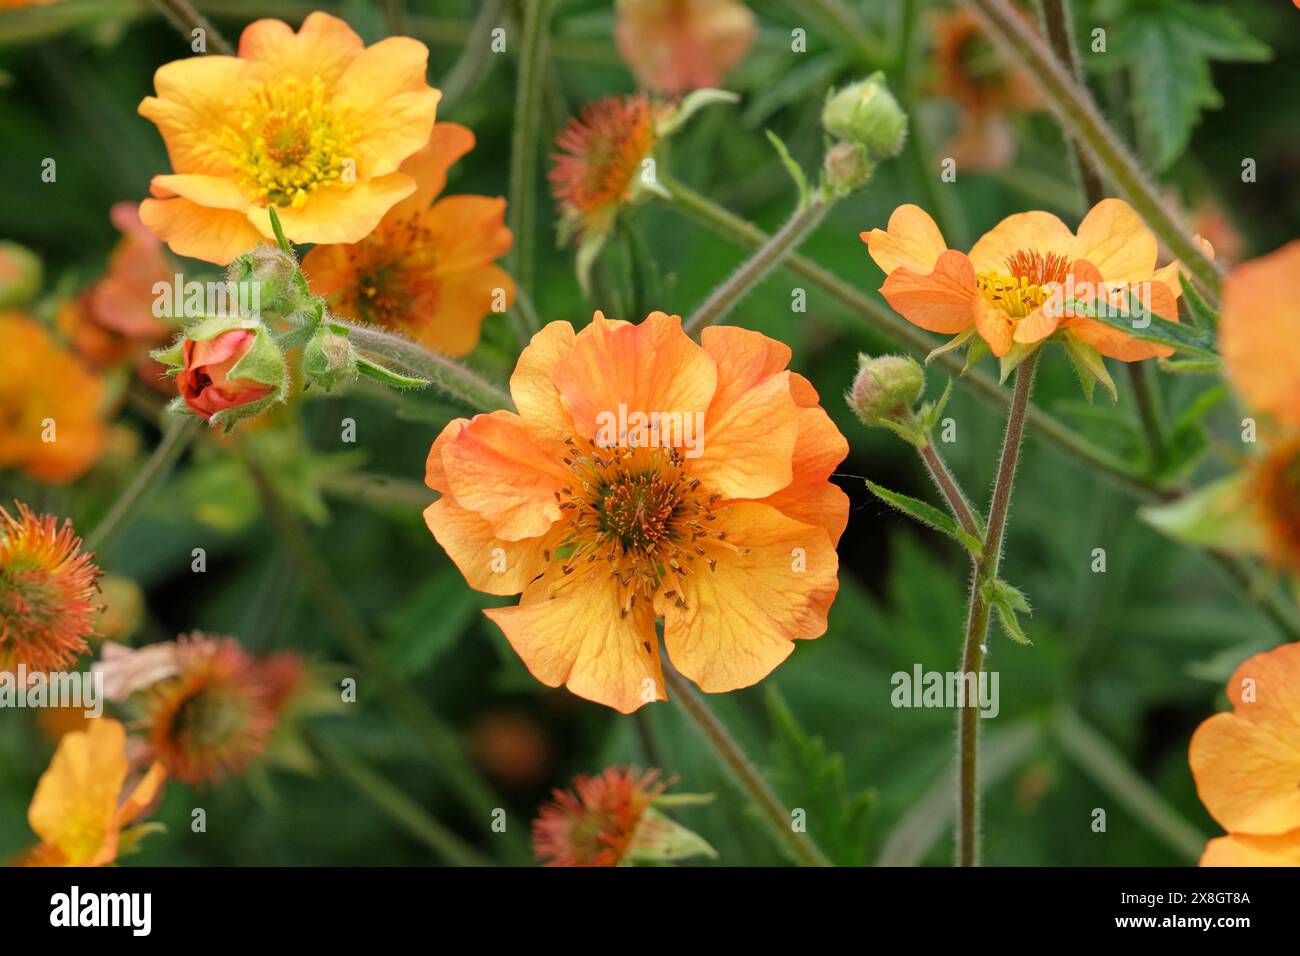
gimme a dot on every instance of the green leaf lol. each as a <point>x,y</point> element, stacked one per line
<point>1218,516</point>
<point>1008,603</point>
<point>1175,335</point>
<point>1189,438</point>
<point>929,516</point>
<point>1203,315</point>
<point>387,376</point>
<point>794,169</point>
<point>956,342</point>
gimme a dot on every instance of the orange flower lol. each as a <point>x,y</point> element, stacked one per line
<point>1246,764</point>
<point>985,92</point>
<point>51,423</point>
<point>78,810</point>
<point>1259,333</point>
<point>47,586</point>
<point>113,323</point>
<point>1009,287</point>
<point>598,166</point>
<point>724,524</point>
<point>428,269</point>
<point>314,123</point>
<point>599,822</point>
<point>217,714</point>
<point>675,46</point>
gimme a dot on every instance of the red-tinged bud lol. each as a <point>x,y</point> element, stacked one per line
<point>227,369</point>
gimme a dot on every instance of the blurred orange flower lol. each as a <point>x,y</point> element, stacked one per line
<point>314,123</point>
<point>1259,333</point>
<point>1003,289</point>
<point>428,269</point>
<point>113,323</point>
<point>986,93</point>
<point>47,590</point>
<point>1246,764</point>
<point>51,414</point>
<point>675,46</point>
<point>78,809</point>
<point>728,534</point>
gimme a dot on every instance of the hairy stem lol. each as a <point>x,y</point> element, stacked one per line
<point>977,618</point>
<point>523,150</point>
<point>176,438</point>
<point>186,19</point>
<point>799,845</point>
<point>948,487</point>
<point>475,59</point>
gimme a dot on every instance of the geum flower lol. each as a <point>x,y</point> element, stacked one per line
<point>428,270</point>
<point>51,406</point>
<point>731,542</point>
<point>1013,287</point>
<point>81,809</point>
<point>1247,764</point>
<point>314,123</point>
<point>47,592</point>
<point>226,369</point>
<point>675,46</point>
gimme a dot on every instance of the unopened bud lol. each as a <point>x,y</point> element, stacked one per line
<point>20,275</point>
<point>866,114</point>
<point>847,167</point>
<point>885,388</point>
<point>274,273</point>
<point>328,359</point>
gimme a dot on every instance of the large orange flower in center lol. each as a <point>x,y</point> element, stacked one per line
<point>314,123</point>
<point>607,523</point>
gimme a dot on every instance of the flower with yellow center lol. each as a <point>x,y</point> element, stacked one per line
<point>606,523</point>
<point>1009,287</point>
<point>51,406</point>
<point>429,268</point>
<point>1247,764</point>
<point>79,810</point>
<point>314,123</point>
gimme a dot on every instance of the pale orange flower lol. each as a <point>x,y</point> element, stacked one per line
<point>314,123</point>
<point>41,387</point>
<point>428,269</point>
<point>607,525</point>
<point>1003,289</point>
<point>1247,762</point>
<point>79,810</point>
<point>985,91</point>
<point>1259,333</point>
<point>675,46</point>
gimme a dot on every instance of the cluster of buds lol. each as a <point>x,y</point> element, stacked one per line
<point>232,367</point>
<point>866,126</point>
<point>885,392</point>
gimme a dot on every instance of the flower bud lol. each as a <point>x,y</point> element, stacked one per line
<point>328,359</point>
<point>227,369</point>
<point>847,167</point>
<point>866,114</point>
<point>20,275</point>
<point>885,388</point>
<point>271,275</point>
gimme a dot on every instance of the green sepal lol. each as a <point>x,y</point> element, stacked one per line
<point>794,169</point>
<point>691,104</point>
<point>386,376</point>
<point>1089,366</point>
<point>1008,603</point>
<point>1010,362</point>
<point>660,840</point>
<point>956,342</point>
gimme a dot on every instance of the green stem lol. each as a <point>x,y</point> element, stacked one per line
<point>1077,112</point>
<point>1151,413</point>
<point>523,149</point>
<point>186,19</point>
<point>724,223</point>
<point>1108,768</point>
<point>447,375</point>
<point>948,487</point>
<point>800,846</point>
<point>977,618</point>
<point>474,60</point>
<point>395,805</point>
<point>176,438</point>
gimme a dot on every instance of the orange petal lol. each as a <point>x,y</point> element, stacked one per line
<point>200,232</point>
<point>470,231</point>
<point>910,241</point>
<point>1111,342</point>
<point>752,423</point>
<point>212,191</point>
<point>1241,849</point>
<point>1259,333</point>
<point>329,269</point>
<point>488,563</point>
<point>76,799</point>
<point>741,618</point>
<point>995,327</point>
<point>1025,231</point>
<point>428,166</point>
<point>323,48</point>
<point>650,367</point>
<point>811,497</point>
<point>142,796</point>
<point>493,467</point>
<point>532,384</point>
<point>942,301</point>
<point>389,103</point>
<point>435,473</point>
<point>193,101</point>
<point>580,638</point>
<point>1036,326</point>
<point>464,300</point>
<point>1117,242</point>
<point>339,213</point>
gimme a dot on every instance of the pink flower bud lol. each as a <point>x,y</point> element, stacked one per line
<point>204,381</point>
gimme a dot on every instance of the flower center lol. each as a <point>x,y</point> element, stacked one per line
<point>395,271</point>
<point>637,513</point>
<point>1028,282</point>
<point>286,141</point>
<point>602,151</point>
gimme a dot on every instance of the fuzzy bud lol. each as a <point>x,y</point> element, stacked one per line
<point>885,388</point>
<point>867,115</point>
<point>328,359</point>
<point>227,369</point>
<point>272,274</point>
<point>20,275</point>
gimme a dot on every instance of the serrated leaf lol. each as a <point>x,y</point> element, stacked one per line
<point>929,516</point>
